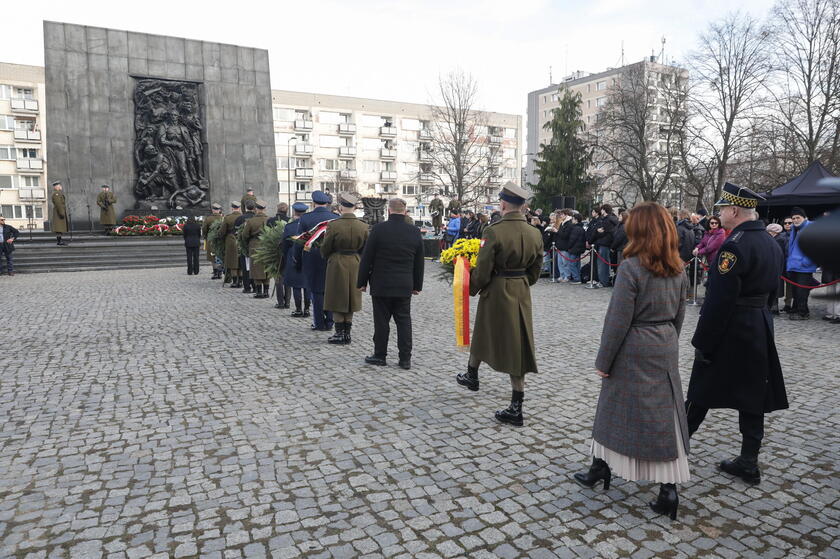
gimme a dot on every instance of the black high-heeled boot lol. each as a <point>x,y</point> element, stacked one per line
<point>599,470</point>
<point>667,502</point>
<point>469,379</point>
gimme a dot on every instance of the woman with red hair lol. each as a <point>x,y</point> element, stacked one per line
<point>640,430</point>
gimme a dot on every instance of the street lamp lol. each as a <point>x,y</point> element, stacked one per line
<point>289,169</point>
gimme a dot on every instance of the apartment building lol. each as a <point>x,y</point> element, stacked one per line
<point>376,148</point>
<point>23,189</point>
<point>594,90</point>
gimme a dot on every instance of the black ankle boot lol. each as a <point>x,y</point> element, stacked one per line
<point>247,288</point>
<point>744,468</point>
<point>512,415</point>
<point>257,291</point>
<point>469,379</point>
<point>667,501</point>
<point>338,337</point>
<point>599,470</point>
<point>264,291</point>
<point>347,327</point>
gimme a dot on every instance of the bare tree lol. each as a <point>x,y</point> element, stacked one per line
<point>730,69</point>
<point>806,56</point>
<point>636,134</point>
<point>459,146</point>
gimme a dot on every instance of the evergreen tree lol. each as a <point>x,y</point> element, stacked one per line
<point>563,162</point>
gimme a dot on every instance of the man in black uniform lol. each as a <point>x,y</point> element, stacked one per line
<point>249,207</point>
<point>736,365</point>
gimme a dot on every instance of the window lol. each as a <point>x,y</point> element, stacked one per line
<point>8,153</point>
<point>348,164</point>
<point>29,181</point>
<point>302,114</point>
<point>5,91</point>
<point>24,93</point>
<point>7,181</point>
<point>301,186</point>
<point>282,138</point>
<point>509,172</point>
<point>27,153</point>
<point>35,212</point>
<point>7,122</point>
<point>301,163</point>
<point>601,86</point>
<point>510,133</point>
<point>410,189</point>
<point>509,153</point>
<point>329,141</point>
<point>373,121</point>
<point>329,117</point>
<point>346,118</point>
<point>389,166</point>
<point>410,168</point>
<point>327,185</point>
<point>409,147</point>
<point>283,115</point>
<point>328,164</point>
<point>371,166</point>
<point>282,162</point>
<point>600,101</point>
<point>27,124</point>
<point>7,210</point>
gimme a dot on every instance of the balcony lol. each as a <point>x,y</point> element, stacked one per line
<point>424,134</point>
<point>36,165</point>
<point>347,174</point>
<point>426,178</point>
<point>346,129</point>
<point>496,139</point>
<point>388,176</point>
<point>386,153</point>
<point>304,173</point>
<point>28,194</point>
<point>495,180</point>
<point>346,152</point>
<point>304,149</point>
<point>303,125</point>
<point>27,136</point>
<point>388,131</point>
<point>425,155</point>
<point>24,105</point>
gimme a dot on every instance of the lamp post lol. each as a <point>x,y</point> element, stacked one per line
<point>289,169</point>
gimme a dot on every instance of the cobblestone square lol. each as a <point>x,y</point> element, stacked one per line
<point>154,414</point>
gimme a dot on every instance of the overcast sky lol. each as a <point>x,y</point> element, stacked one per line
<point>397,50</point>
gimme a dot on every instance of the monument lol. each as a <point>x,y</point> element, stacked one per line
<point>171,124</point>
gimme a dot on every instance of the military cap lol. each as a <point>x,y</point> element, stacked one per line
<point>320,197</point>
<point>739,196</point>
<point>347,200</point>
<point>250,190</point>
<point>105,186</point>
<point>56,182</point>
<point>216,206</point>
<point>513,193</point>
<point>300,207</point>
<point>234,204</point>
<point>261,204</point>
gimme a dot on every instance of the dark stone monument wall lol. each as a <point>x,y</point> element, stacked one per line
<point>90,82</point>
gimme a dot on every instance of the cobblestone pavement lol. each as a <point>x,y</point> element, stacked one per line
<point>153,413</point>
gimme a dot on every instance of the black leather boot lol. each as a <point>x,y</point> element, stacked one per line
<point>264,291</point>
<point>338,337</point>
<point>247,286</point>
<point>599,470</point>
<point>743,468</point>
<point>512,415</point>
<point>347,327</point>
<point>469,379</point>
<point>257,291</point>
<point>667,501</point>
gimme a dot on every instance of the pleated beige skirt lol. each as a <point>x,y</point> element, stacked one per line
<point>633,469</point>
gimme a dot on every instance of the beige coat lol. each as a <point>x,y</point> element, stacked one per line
<point>205,228</point>
<point>231,250</point>
<point>251,231</point>
<point>107,213</point>
<point>58,218</point>
<point>343,241</point>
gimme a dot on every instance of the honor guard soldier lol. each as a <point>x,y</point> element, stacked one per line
<point>58,218</point>
<point>313,265</point>
<point>736,365</point>
<point>216,214</point>
<point>436,211</point>
<point>248,212</point>
<point>293,278</point>
<point>251,234</point>
<point>343,242</point>
<point>228,229</point>
<point>107,214</point>
<point>509,263</point>
<point>248,197</point>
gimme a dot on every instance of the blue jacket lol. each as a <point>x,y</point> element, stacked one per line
<point>453,228</point>
<point>796,260</point>
<point>314,267</point>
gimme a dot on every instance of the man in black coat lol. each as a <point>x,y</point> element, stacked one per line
<point>736,365</point>
<point>192,240</point>
<point>392,262</point>
<point>8,234</point>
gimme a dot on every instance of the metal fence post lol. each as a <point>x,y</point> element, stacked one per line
<point>553,262</point>
<point>696,261</point>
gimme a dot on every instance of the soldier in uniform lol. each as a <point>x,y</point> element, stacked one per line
<point>249,196</point>
<point>216,214</point>
<point>293,278</point>
<point>251,233</point>
<point>284,294</point>
<point>107,215</point>
<point>736,365</point>
<point>508,264</point>
<point>228,229</point>
<point>313,265</point>
<point>436,211</point>
<point>244,273</point>
<point>454,207</point>
<point>343,242</point>
<point>58,219</point>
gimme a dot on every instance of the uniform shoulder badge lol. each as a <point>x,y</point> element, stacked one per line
<point>726,261</point>
<point>735,238</point>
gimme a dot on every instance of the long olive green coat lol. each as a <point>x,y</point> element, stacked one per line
<point>436,205</point>
<point>205,228</point>
<point>344,235</point>
<point>58,218</point>
<point>228,229</point>
<point>503,334</point>
<point>251,232</point>
<point>107,214</point>
<point>246,198</point>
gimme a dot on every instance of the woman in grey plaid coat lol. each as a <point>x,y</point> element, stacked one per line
<point>640,430</point>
